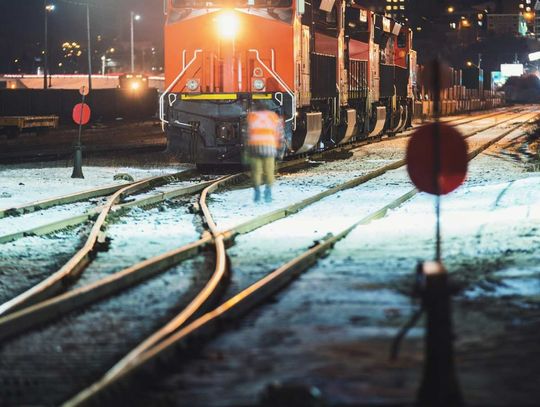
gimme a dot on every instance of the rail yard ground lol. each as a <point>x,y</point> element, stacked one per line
<point>329,330</point>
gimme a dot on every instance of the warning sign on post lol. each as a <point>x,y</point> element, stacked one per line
<point>437,159</point>
<point>81,114</point>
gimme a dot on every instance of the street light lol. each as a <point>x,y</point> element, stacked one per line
<point>134,17</point>
<point>47,8</point>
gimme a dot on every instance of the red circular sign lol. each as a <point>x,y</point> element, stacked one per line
<point>81,113</point>
<point>452,159</point>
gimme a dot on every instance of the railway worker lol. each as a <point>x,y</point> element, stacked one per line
<point>264,143</point>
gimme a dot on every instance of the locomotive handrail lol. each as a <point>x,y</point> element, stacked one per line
<point>171,86</point>
<point>283,84</point>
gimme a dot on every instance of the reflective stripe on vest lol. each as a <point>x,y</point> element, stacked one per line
<point>263,129</point>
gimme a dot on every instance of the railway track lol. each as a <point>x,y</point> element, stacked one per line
<point>71,268</point>
<point>19,321</point>
<point>132,275</point>
<point>179,337</point>
<point>105,191</point>
<point>124,203</point>
<point>97,237</point>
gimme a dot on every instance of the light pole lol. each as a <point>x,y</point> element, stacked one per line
<point>134,17</point>
<point>89,39</point>
<point>103,64</point>
<point>47,8</point>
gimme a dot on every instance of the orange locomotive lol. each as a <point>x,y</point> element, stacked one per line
<point>332,70</point>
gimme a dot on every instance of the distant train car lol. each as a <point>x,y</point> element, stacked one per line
<point>133,82</point>
<point>333,70</point>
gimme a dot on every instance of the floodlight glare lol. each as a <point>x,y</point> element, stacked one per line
<point>227,25</point>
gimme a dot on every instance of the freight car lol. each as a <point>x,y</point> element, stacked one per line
<point>333,70</point>
<point>12,126</point>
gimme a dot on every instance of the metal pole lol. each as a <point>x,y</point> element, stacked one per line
<point>437,154</point>
<point>89,46</point>
<point>132,43</point>
<point>46,50</point>
<point>440,386</point>
<point>80,121</point>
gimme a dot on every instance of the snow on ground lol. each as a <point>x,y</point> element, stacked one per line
<point>9,225</point>
<point>333,327</point>
<point>58,360</point>
<point>139,235</point>
<point>22,223</point>
<point>20,186</point>
<point>28,261</point>
<point>293,187</point>
<point>337,339</point>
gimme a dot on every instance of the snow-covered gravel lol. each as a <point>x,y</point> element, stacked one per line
<point>10,225</point>
<point>139,235</point>
<point>51,364</point>
<point>333,327</point>
<point>28,261</point>
<point>296,186</point>
<point>20,186</point>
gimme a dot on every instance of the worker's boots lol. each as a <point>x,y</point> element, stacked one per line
<point>257,194</point>
<point>268,194</point>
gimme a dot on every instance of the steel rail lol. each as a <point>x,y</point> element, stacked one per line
<point>352,145</point>
<point>136,273</point>
<point>76,265</point>
<point>92,213</point>
<point>76,220</point>
<point>48,310</point>
<point>472,118</point>
<point>206,326</point>
<point>61,200</point>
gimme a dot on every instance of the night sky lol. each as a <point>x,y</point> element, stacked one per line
<point>21,25</point>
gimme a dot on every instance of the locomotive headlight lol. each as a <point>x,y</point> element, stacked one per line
<point>192,85</point>
<point>227,25</point>
<point>135,85</point>
<point>258,84</point>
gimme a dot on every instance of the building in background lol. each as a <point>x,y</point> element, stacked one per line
<point>507,24</point>
<point>397,9</point>
<point>537,20</point>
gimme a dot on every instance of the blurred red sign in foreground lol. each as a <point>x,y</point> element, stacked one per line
<point>422,159</point>
<point>81,113</point>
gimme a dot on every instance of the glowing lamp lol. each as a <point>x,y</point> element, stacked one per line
<point>227,25</point>
<point>135,85</point>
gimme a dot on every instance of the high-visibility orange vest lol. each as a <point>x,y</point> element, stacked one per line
<point>264,129</point>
